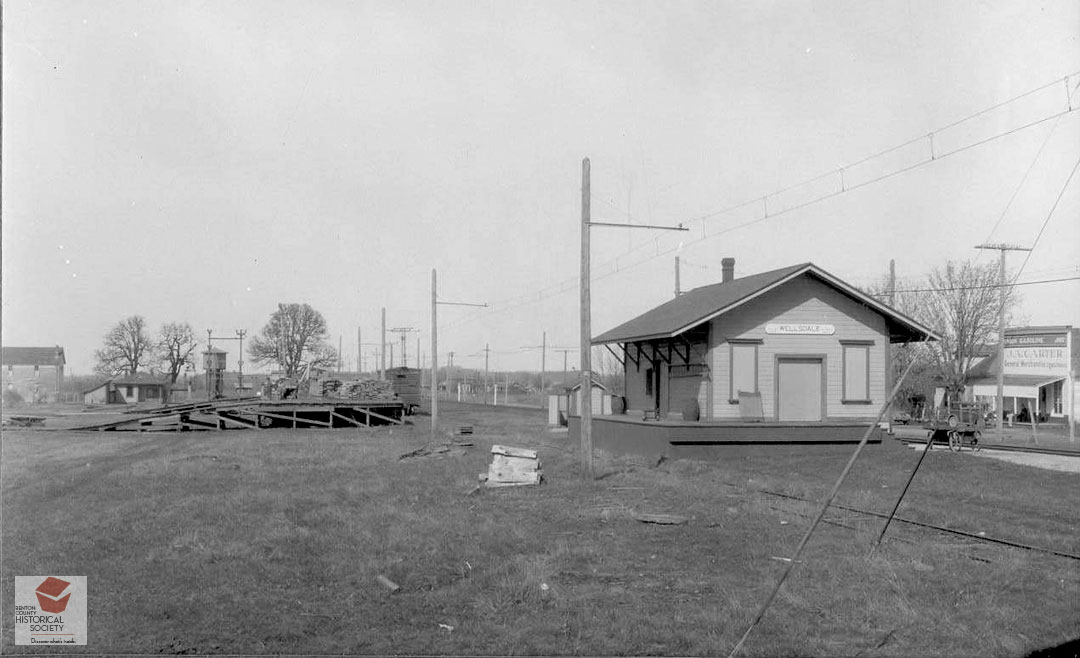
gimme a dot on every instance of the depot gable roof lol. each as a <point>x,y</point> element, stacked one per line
<point>701,305</point>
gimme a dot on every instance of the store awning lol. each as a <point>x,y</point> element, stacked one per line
<point>1016,386</point>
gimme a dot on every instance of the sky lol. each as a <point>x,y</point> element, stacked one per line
<point>202,162</point>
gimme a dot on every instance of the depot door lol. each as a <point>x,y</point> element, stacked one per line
<point>799,389</point>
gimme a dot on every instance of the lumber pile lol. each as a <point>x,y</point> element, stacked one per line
<point>511,467</point>
<point>367,390</point>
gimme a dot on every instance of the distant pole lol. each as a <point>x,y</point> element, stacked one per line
<point>1000,403</point>
<point>240,375</point>
<point>677,290</point>
<point>543,369</point>
<point>382,350</point>
<point>487,355</point>
<point>892,283</point>
<point>359,352</point>
<point>209,333</point>
<point>340,367</point>
<point>434,355</point>
<point>586,323</point>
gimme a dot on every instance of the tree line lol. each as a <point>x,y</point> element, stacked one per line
<point>293,339</point>
<point>959,301</point>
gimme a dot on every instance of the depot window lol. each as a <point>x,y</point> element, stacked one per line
<point>744,368</point>
<point>856,372</point>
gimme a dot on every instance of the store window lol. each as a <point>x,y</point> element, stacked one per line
<point>744,368</point>
<point>856,372</point>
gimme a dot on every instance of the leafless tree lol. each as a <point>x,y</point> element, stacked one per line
<point>961,304</point>
<point>127,347</point>
<point>294,338</point>
<point>176,348</point>
<point>608,370</point>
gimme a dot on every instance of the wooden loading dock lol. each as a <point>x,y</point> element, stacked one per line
<point>255,413</point>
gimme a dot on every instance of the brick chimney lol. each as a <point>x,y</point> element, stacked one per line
<point>728,268</point>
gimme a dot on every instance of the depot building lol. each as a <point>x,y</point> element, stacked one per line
<point>794,354</point>
<point>1041,369</point>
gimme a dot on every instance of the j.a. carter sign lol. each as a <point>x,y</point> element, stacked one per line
<point>1039,354</point>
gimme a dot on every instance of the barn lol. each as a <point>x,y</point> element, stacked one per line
<point>792,355</point>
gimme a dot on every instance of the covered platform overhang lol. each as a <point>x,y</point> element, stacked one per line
<point>1016,386</point>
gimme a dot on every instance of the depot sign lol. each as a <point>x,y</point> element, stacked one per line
<point>1041,354</point>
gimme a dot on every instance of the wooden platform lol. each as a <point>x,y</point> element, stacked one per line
<point>260,414</point>
<point>677,439</point>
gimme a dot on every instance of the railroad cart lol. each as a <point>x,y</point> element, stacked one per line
<point>957,424</point>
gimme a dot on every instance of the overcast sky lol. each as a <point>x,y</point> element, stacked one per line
<point>204,161</point>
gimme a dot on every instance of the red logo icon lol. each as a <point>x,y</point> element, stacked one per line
<point>48,595</point>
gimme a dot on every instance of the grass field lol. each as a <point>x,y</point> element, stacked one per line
<point>270,542</point>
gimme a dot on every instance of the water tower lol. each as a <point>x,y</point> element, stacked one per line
<point>214,363</point>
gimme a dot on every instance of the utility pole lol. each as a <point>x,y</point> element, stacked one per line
<point>403,331</point>
<point>487,354</point>
<point>435,347</point>
<point>382,350</point>
<point>339,357</point>
<point>892,283</point>
<point>678,290</point>
<point>999,408</point>
<point>240,333</point>
<point>359,353</point>
<point>586,310</point>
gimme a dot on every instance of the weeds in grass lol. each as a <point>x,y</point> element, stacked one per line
<point>280,555</point>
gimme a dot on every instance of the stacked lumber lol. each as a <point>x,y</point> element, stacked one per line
<point>368,390</point>
<point>511,467</point>
<point>330,388</point>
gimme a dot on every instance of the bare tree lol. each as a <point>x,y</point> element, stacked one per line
<point>608,370</point>
<point>127,346</point>
<point>294,338</point>
<point>176,348</point>
<point>961,305</point>
<point>905,298</point>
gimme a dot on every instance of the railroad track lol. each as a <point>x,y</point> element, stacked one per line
<point>990,445</point>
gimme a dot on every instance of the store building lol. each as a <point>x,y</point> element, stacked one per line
<point>1042,365</point>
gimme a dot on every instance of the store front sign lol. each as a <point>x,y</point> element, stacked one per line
<point>1042,354</point>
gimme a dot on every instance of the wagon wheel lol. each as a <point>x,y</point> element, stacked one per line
<point>955,440</point>
<point>975,441</point>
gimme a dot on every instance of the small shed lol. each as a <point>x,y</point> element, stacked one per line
<point>129,389</point>
<point>601,400</point>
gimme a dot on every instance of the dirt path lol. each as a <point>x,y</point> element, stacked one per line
<point>1052,462</point>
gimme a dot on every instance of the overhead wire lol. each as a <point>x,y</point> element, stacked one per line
<point>1047,220</point>
<point>614,267</point>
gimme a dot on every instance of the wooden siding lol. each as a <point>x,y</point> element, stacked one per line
<point>636,400</point>
<point>801,301</point>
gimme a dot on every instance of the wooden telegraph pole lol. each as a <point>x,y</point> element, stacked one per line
<point>435,347</point>
<point>586,312</point>
<point>586,322</point>
<point>999,407</point>
<point>434,356</point>
<point>382,347</point>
